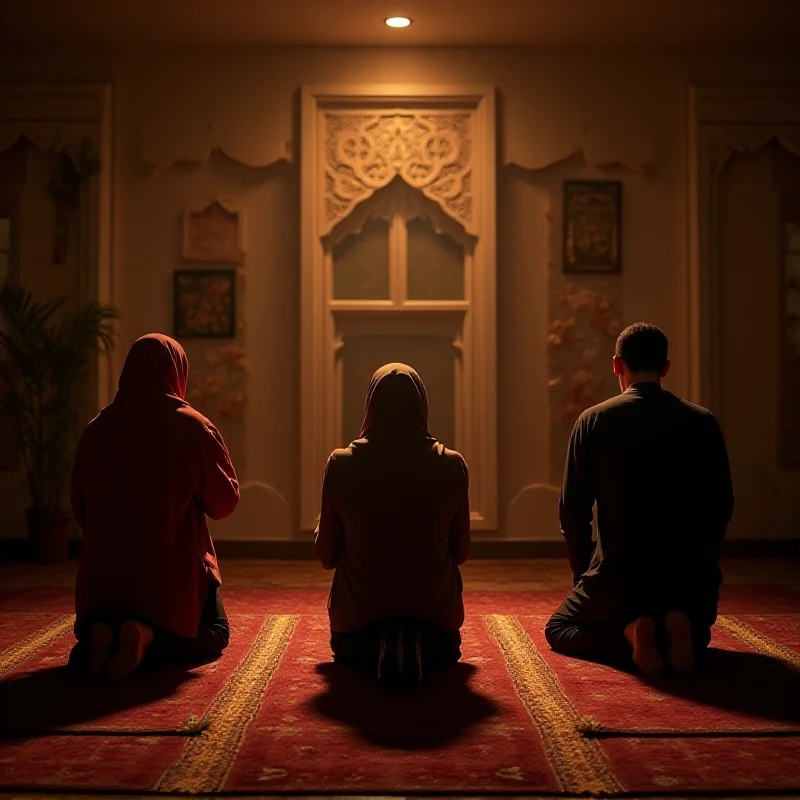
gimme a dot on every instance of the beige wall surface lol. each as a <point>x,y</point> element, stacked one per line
<point>768,498</point>
<point>192,125</point>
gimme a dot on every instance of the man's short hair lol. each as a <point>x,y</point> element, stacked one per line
<point>643,348</point>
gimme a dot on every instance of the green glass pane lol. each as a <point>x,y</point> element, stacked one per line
<point>361,264</point>
<point>435,264</point>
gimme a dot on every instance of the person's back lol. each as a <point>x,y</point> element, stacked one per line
<point>145,536</point>
<point>147,471</point>
<point>657,461</point>
<point>397,504</point>
<point>394,523</point>
<point>657,467</point>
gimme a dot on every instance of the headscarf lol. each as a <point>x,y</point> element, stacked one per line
<point>155,366</point>
<point>397,405</point>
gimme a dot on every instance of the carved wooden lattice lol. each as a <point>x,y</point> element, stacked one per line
<point>430,151</point>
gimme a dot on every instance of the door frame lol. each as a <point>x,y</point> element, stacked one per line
<point>722,121</point>
<point>318,338</point>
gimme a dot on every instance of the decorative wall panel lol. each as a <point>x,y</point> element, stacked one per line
<point>422,163</point>
<point>429,151</point>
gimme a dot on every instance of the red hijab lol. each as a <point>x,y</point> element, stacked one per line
<point>148,470</point>
<point>155,365</point>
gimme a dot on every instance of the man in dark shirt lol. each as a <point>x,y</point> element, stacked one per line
<point>657,468</point>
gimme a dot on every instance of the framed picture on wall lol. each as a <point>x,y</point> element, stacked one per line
<point>592,226</point>
<point>204,303</point>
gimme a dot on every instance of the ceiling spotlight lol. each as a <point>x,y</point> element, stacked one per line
<point>398,22</point>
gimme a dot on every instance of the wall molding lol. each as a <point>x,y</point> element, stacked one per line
<point>58,118</point>
<point>722,122</point>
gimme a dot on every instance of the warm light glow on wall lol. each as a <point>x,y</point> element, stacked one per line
<point>398,22</point>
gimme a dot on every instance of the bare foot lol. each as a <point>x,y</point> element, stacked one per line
<point>102,636</point>
<point>642,636</point>
<point>680,653</point>
<point>134,639</point>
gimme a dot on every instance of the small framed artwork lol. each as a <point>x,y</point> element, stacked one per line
<point>205,303</point>
<point>592,226</point>
<point>215,231</point>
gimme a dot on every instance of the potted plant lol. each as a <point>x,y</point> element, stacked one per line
<point>44,360</point>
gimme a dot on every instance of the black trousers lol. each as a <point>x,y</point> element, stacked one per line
<point>361,648</point>
<point>576,629</point>
<point>212,638</point>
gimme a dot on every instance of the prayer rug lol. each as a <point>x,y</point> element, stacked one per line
<point>40,695</point>
<point>277,716</point>
<point>745,689</point>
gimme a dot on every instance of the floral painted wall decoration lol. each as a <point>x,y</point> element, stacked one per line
<point>585,319</point>
<point>221,386</point>
<point>587,327</point>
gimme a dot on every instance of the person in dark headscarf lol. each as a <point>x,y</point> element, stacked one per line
<point>394,524</point>
<point>147,472</point>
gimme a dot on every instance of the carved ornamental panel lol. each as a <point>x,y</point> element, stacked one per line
<point>430,151</point>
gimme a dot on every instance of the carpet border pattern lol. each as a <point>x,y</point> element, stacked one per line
<point>579,764</point>
<point>756,640</point>
<point>22,650</point>
<point>207,759</point>
<point>730,624</point>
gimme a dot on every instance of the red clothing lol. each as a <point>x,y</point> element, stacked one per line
<point>148,470</point>
<point>394,522</point>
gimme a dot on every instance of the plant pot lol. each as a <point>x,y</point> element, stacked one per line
<point>49,536</point>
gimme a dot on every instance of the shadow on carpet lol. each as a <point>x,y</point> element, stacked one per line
<point>737,681</point>
<point>743,682</point>
<point>58,700</point>
<point>441,711</point>
<point>748,685</point>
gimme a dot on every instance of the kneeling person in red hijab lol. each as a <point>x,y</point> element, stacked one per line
<point>148,470</point>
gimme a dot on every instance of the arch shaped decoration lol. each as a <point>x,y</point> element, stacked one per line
<point>429,151</point>
<point>381,203</point>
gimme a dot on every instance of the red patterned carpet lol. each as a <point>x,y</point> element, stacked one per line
<point>275,715</point>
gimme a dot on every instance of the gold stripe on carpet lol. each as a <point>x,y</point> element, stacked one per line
<point>758,641</point>
<point>578,763</point>
<point>22,650</point>
<point>207,759</point>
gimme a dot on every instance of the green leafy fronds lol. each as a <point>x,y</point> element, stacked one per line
<point>43,363</point>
